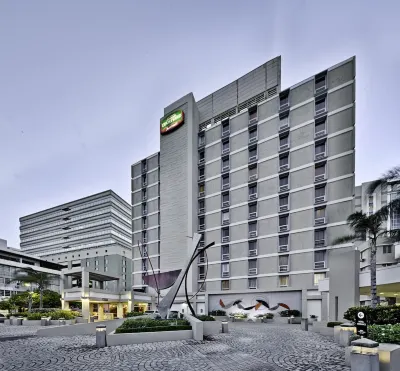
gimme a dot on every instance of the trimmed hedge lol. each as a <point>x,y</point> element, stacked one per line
<point>333,324</point>
<point>120,330</point>
<point>289,313</point>
<point>381,315</point>
<point>134,314</point>
<point>66,314</point>
<point>217,313</point>
<point>385,333</point>
<point>205,318</point>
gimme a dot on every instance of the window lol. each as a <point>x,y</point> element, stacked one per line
<point>201,156</point>
<point>144,194</point>
<point>284,142</point>
<point>284,182</point>
<point>144,265</point>
<point>320,150</point>
<point>144,208</point>
<point>201,173</point>
<point>225,182</point>
<point>253,154</point>
<point>318,277</point>
<point>225,199</point>
<point>225,164</point>
<point>320,83</point>
<point>225,269</point>
<point>225,217</point>
<point>253,264</point>
<point>283,260</point>
<point>320,127</point>
<point>284,101</point>
<point>320,106</point>
<point>253,190</point>
<point>319,237</point>
<point>201,223</point>
<point>252,113</point>
<point>144,236</point>
<point>283,220</point>
<point>320,172</point>
<point>284,162</point>
<point>201,205</point>
<point>202,140</point>
<point>387,249</point>
<point>144,179</point>
<point>96,262</point>
<point>225,253</point>
<point>225,127</point>
<point>283,281</point>
<point>225,234</point>
<point>284,201</point>
<point>253,135</point>
<point>319,256</point>
<point>320,194</point>
<point>225,147</point>
<point>201,189</point>
<point>252,283</point>
<point>253,228</point>
<point>284,122</point>
<point>144,222</point>
<point>253,211</point>
<point>252,248</point>
<point>225,285</point>
<point>87,262</point>
<point>320,213</point>
<point>395,215</point>
<point>253,173</point>
<point>283,240</point>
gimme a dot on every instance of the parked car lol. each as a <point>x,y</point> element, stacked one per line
<point>2,318</point>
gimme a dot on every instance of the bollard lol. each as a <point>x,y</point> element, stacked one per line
<point>91,319</point>
<point>19,321</point>
<point>304,324</point>
<point>101,336</point>
<point>346,330</point>
<point>43,321</point>
<point>61,322</point>
<point>225,328</point>
<point>364,355</point>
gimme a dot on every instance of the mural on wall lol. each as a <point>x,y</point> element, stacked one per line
<point>260,302</point>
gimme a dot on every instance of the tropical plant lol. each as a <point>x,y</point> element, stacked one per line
<point>333,324</point>
<point>380,315</point>
<point>289,313</point>
<point>217,312</point>
<point>205,318</point>
<point>51,299</point>
<point>42,280</point>
<point>385,333</point>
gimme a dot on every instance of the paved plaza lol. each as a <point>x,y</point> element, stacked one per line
<point>248,347</point>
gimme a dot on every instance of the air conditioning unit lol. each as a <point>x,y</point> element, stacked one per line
<point>202,276</point>
<point>320,156</point>
<point>283,147</point>
<point>225,274</point>
<point>283,268</point>
<point>284,188</point>
<point>225,204</point>
<point>225,133</point>
<point>283,228</point>
<point>225,257</point>
<point>253,196</point>
<point>283,208</point>
<point>252,158</point>
<point>253,252</point>
<point>320,133</point>
<point>319,199</point>
<point>284,167</point>
<point>318,178</point>
<point>225,239</point>
<point>226,150</point>
<point>201,194</point>
<point>201,160</point>
<point>253,177</point>
<point>225,222</point>
<point>202,227</point>
<point>283,248</point>
<point>284,106</point>
<point>319,243</point>
<point>252,271</point>
<point>253,140</point>
<point>253,121</point>
<point>201,210</point>
<point>253,234</point>
<point>201,177</point>
<point>202,259</point>
<point>319,265</point>
<point>253,215</point>
<point>225,186</point>
<point>321,110</point>
<point>283,127</point>
<point>319,221</point>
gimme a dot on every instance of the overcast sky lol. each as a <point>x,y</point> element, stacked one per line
<point>83,83</point>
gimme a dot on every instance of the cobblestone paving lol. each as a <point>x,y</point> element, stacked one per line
<point>248,347</point>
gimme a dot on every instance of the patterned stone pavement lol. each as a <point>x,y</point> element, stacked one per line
<point>248,347</point>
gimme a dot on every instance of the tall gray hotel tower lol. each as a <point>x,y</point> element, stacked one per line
<point>267,173</point>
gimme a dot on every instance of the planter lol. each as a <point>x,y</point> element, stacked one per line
<point>147,337</point>
<point>312,320</point>
<point>81,320</point>
<point>7,322</point>
<point>221,318</point>
<point>268,320</point>
<point>56,322</point>
<point>211,327</point>
<point>30,322</point>
<point>294,321</point>
<point>259,320</point>
<point>326,331</point>
<point>389,357</point>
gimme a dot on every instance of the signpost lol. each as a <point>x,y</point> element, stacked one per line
<point>361,324</point>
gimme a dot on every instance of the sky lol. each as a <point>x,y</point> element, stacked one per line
<point>83,83</point>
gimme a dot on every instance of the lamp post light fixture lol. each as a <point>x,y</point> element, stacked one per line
<point>101,336</point>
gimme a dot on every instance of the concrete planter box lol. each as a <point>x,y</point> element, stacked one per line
<point>7,322</point>
<point>233,319</point>
<point>389,357</point>
<point>221,318</point>
<point>312,320</point>
<point>147,337</point>
<point>30,322</point>
<point>211,328</point>
<point>347,353</point>
<point>268,320</point>
<point>326,331</point>
<point>280,319</point>
<point>259,320</point>
<point>81,320</point>
<point>56,322</point>
<point>336,333</point>
<point>294,321</point>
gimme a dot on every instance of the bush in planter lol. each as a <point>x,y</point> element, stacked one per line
<point>333,324</point>
<point>34,316</point>
<point>134,314</point>
<point>289,313</point>
<point>217,313</point>
<point>152,325</point>
<point>259,316</point>
<point>269,316</point>
<point>381,315</point>
<point>313,316</point>
<point>385,333</point>
<point>205,318</point>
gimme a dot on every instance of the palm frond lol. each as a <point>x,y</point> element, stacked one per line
<point>394,235</point>
<point>344,239</point>
<point>391,175</point>
<point>358,222</point>
<point>392,207</point>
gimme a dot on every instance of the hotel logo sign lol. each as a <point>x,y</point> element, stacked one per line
<point>172,122</point>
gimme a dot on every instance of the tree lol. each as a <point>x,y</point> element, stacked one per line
<point>51,299</point>
<point>42,280</point>
<point>372,227</point>
<point>21,299</point>
<point>391,176</point>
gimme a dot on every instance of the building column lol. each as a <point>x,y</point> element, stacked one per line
<point>304,304</point>
<point>120,310</point>
<point>324,306</point>
<point>100,312</point>
<point>85,283</point>
<point>85,309</point>
<point>64,304</point>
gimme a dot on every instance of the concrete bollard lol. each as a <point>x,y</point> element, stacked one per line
<point>44,321</point>
<point>101,336</point>
<point>364,355</point>
<point>19,321</point>
<point>304,324</point>
<point>61,322</point>
<point>336,334</point>
<point>389,357</point>
<point>347,329</point>
<point>225,328</point>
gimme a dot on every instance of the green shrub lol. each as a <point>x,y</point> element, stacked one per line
<point>66,314</point>
<point>35,316</point>
<point>239,315</point>
<point>381,315</point>
<point>289,313</point>
<point>44,310</point>
<point>333,324</point>
<point>134,314</point>
<point>217,313</point>
<point>128,330</point>
<point>269,316</point>
<point>354,337</point>
<point>385,333</point>
<point>151,325</point>
<point>205,318</point>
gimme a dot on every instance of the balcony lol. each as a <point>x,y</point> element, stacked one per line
<point>202,259</point>
<point>253,177</point>
<point>201,210</point>
<point>283,268</point>
<point>283,208</point>
<point>252,159</point>
<point>225,151</point>
<point>225,222</point>
<point>225,133</point>
<point>201,244</point>
<point>201,177</point>
<point>320,156</point>
<point>253,252</point>
<point>202,161</point>
<point>320,265</point>
<point>320,178</point>
<point>225,186</point>
<point>202,227</point>
<point>202,194</point>
<point>252,271</point>
<point>144,184</point>
<point>283,147</point>
<point>320,199</point>
<point>253,139</point>
<point>202,276</point>
<point>225,204</point>
<point>284,188</point>
<point>284,167</point>
<point>320,133</point>
<point>144,212</point>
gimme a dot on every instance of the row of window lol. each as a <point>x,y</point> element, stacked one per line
<point>283,281</point>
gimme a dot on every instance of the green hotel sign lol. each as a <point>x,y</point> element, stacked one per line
<point>172,122</point>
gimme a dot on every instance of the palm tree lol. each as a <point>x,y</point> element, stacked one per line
<point>391,176</point>
<point>31,276</point>
<point>372,227</point>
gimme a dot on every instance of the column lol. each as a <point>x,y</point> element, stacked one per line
<point>85,283</point>
<point>120,310</point>
<point>85,309</point>
<point>100,312</point>
<point>304,304</point>
<point>64,304</point>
